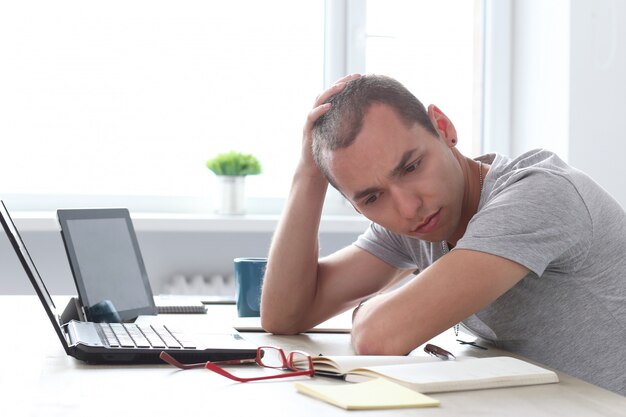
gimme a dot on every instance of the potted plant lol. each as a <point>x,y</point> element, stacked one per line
<point>231,169</point>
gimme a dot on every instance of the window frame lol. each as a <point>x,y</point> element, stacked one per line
<point>496,75</point>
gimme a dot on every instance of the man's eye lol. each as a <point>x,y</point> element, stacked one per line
<point>413,166</point>
<point>371,199</point>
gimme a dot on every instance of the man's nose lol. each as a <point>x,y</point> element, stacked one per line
<point>407,202</point>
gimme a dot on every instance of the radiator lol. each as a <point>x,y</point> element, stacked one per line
<point>216,284</point>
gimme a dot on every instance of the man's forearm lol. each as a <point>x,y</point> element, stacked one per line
<point>291,277</point>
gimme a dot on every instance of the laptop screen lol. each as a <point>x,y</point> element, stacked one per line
<point>106,261</point>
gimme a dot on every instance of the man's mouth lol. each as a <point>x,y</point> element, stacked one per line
<point>429,224</point>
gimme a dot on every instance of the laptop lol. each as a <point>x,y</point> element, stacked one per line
<point>124,343</point>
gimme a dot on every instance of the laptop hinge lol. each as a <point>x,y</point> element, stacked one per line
<point>69,331</point>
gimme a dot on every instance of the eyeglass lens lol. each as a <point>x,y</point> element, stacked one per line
<point>271,357</point>
<point>299,361</point>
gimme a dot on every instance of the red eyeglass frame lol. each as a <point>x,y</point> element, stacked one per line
<point>287,363</point>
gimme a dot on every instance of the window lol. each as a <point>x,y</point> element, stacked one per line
<point>131,98</point>
<point>430,47</point>
<point>123,102</point>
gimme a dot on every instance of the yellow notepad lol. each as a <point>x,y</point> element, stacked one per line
<point>378,393</point>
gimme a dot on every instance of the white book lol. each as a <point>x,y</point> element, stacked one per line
<point>342,365</point>
<point>429,375</point>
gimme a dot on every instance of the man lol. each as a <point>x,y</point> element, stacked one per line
<point>528,253</point>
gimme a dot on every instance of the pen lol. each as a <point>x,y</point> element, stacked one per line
<point>472,344</point>
<point>438,352</point>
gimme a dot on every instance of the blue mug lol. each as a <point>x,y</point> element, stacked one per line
<point>249,274</point>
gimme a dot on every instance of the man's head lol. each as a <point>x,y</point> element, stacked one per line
<point>339,127</point>
<point>394,160</point>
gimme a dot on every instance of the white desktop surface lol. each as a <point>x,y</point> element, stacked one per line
<point>38,379</point>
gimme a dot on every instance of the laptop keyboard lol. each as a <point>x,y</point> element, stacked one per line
<point>131,335</point>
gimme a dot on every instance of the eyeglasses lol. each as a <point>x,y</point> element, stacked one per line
<point>300,363</point>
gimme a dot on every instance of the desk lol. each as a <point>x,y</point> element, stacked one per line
<point>39,380</point>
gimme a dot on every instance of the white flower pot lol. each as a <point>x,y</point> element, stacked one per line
<point>232,194</point>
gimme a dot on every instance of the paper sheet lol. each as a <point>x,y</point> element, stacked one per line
<point>375,394</point>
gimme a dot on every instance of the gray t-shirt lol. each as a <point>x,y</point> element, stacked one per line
<point>569,312</point>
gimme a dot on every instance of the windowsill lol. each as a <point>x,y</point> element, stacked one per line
<point>192,222</point>
<point>37,213</point>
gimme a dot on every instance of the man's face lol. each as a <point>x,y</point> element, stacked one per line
<point>403,178</point>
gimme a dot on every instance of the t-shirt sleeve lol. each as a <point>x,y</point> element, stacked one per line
<point>387,246</point>
<point>535,220</point>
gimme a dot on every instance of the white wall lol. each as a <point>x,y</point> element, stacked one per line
<point>598,92</point>
<point>569,86</point>
<point>165,254</point>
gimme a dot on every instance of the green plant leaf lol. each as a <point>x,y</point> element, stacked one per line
<point>234,164</point>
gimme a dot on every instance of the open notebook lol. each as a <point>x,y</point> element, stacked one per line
<point>429,375</point>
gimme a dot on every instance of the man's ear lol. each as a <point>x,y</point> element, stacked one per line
<point>443,125</point>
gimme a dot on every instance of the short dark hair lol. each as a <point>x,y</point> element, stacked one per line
<point>339,127</point>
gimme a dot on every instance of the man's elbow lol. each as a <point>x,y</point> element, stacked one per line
<point>272,320</point>
<point>370,338</point>
<point>367,341</point>
<point>277,325</point>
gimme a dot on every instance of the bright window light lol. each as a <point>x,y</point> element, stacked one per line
<point>132,97</point>
<point>429,46</point>
<point>127,99</point>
